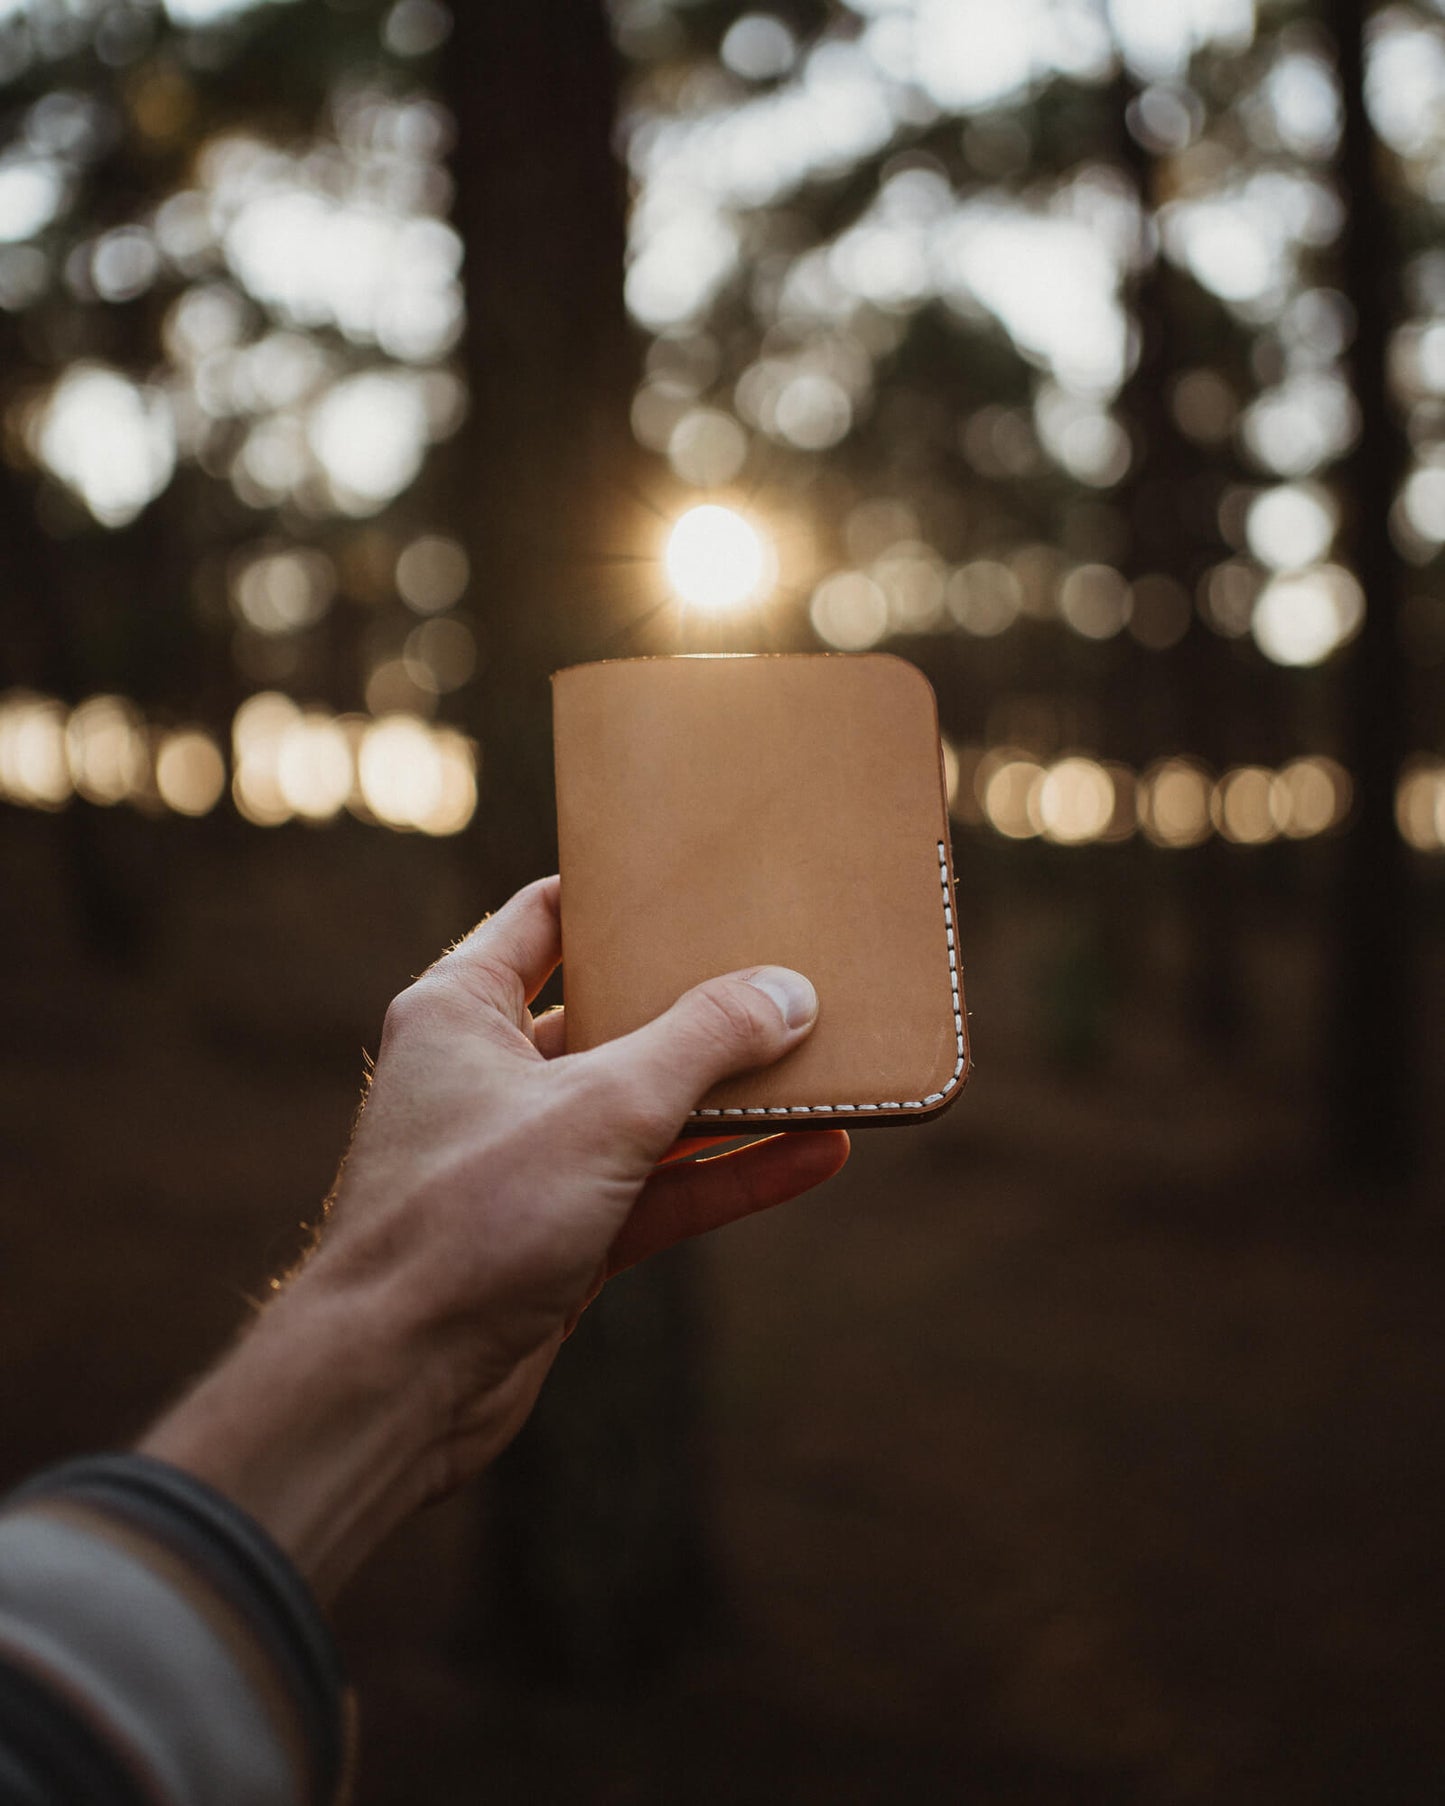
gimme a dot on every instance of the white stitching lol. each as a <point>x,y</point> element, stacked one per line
<point>917,1103</point>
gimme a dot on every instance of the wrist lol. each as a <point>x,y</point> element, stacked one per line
<point>326,1423</point>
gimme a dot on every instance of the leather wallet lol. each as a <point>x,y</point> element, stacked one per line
<point>782,809</point>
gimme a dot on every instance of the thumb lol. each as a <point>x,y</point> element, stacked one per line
<point>727,1025</point>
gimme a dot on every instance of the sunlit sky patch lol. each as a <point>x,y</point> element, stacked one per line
<point>1051,283</point>
<point>1302,424</point>
<point>1405,81</point>
<point>758,47</point>
<point>1250,211</point>
<point>32,191</point>
<point>109,440</point>
<point>966,55</point>
<point>370,434</point>
<point>974,53</point>
<point>210,12</point>
<point>1158,37</point>
<point>1051,278</point>
<point>322,293</point>
<point>1049,271</point>
<point>1301,98</point>
<point>1244,241</point>
<point>1050,266</point>
<point>346,238</point>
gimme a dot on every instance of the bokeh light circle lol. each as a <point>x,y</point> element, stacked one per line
<point>716,559</point>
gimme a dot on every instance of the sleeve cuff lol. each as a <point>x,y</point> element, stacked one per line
<point>92,1549</point>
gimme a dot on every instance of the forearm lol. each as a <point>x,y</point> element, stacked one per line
<point>327,1423</point>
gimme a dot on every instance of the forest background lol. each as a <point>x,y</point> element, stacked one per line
<point>362,364</point>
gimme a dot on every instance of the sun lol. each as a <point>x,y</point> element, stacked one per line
<point>716,559</point>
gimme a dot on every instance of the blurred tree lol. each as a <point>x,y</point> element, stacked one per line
<point>1032,330</point>
<point>546,475</point>
<point>594,1545</point>
<point>1037,335</point>
<point>231,303</point>
<point>1033,334</point>
<point>229,298</point>
<point>1375,1101</point>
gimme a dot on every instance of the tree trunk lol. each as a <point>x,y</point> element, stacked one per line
<point>1373,1052</point>
<point>546,473</point>
<point>1193,681</point>
<point>593,1543</point>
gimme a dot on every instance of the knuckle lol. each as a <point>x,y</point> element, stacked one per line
<point>724,1014</point>
<point>403,1011</point>
<point>494,982</point>
<point>414,1012</point>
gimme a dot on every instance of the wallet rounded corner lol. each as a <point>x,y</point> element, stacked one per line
<point>913,674</point>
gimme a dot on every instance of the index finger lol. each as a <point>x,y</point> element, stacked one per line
<point>509,956</point>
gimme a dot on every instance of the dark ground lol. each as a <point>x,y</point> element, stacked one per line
<point>1084,1446</point>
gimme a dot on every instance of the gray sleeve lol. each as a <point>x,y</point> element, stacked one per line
<point>156,1647</point>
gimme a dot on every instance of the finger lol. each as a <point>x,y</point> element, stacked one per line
<point>732,1024</point>
<point>549,1036</point>
<point>692,1144</point>
<point>549,1033</point>
<point>673,1206</point>
<point>686,1200</point>
<point>509,956</point>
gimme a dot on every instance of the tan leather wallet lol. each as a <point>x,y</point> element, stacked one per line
<point>721,812</point>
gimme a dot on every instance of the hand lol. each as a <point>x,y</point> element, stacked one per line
<point>492,1186</point>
